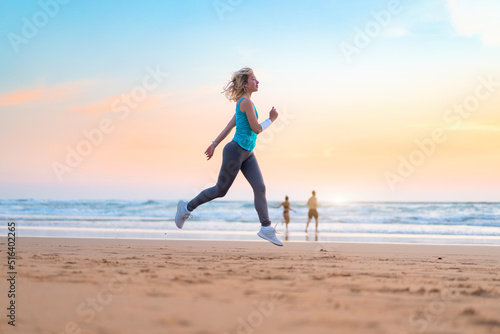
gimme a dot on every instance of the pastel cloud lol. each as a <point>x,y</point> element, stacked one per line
<point>21,96</point>
<point>151,102</point>
<point>477,17</point>
<point>159,101</point>
<point>41,94</point>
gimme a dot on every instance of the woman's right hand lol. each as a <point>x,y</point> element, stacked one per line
<point>273,114</point>
<point>210,151</point>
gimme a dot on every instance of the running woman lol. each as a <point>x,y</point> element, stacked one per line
<point>286,211</point>
<point>238,154</point>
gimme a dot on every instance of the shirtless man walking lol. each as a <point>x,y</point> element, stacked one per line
<point>312,203</point>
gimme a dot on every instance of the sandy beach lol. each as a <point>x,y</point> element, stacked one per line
<point>172,286</point>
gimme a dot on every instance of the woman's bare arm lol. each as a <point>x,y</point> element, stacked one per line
<point>247,107</point>
<point>211,149</point>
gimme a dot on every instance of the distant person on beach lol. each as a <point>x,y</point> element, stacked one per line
<point>312,203</point>
<point>286,211</point>
<point>238,154</point>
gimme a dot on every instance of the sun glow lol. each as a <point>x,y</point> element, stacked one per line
<point>338,199</point>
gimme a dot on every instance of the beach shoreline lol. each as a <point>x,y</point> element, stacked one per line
<point>85,285</point>
<point>238,235</point>
<point>385,222</point>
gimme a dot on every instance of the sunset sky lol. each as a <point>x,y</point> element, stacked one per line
<point>378,100</point>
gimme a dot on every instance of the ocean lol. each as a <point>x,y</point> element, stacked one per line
<point>394,222</point>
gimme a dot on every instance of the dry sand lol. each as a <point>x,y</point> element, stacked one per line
<point>170,286</point>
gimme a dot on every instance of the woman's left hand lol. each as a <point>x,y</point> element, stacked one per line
<point>210,151</point>
<point>273,114</point>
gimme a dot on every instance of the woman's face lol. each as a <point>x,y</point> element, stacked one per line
<point>252,84</point>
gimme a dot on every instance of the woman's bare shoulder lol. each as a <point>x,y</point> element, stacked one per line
<point>246,105</point>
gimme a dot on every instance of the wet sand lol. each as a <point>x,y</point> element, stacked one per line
<point>170,286</point>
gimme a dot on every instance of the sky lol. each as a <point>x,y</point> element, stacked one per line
<point>378,100</point>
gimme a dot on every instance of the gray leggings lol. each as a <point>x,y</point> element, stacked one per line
<point>235,158</point>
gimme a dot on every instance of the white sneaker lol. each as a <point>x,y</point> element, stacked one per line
<point>182,214</point>
<point>269,233</point>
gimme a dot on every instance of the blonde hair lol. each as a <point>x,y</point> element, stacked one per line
<point>235,88</point>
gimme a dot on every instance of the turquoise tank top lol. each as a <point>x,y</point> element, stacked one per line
<point>244,136</point>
